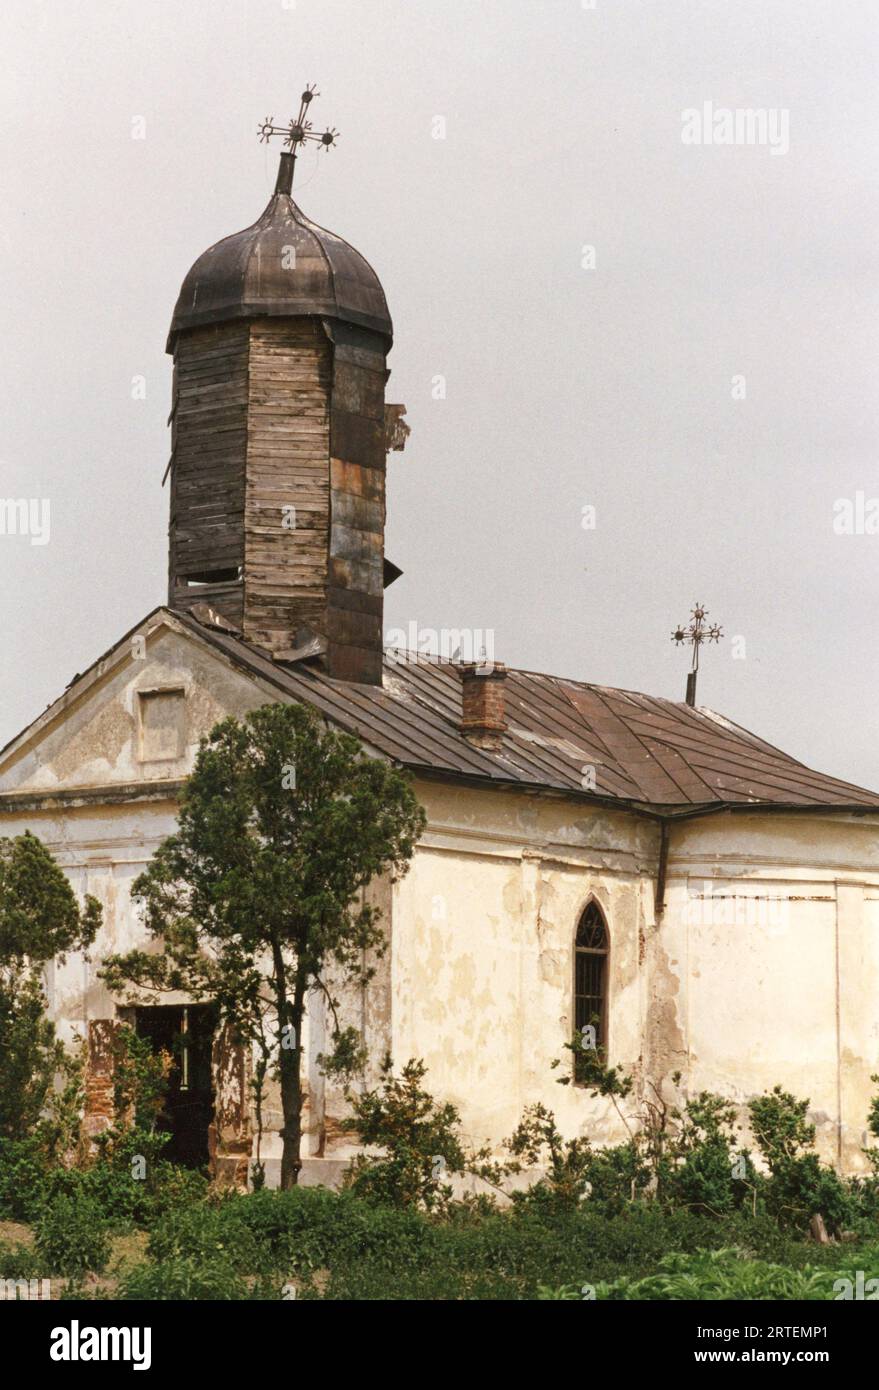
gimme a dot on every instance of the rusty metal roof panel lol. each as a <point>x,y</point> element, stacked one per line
<point>647,752</point>
<point>540,711</point>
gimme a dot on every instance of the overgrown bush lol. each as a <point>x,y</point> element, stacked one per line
<point>513,1254</point>
<point>18,1261</point>
<point>418,1137</point>
<point>294,1234</point>
<point>40,920</point>
<point>72,1238</point>
<point>208,1234</point>
<point>29,1183</point>
<point>135,1186</point>
<point>25,1172</point>
<point>335,1246</point>
<point>799,1185</point>
<point>128,1180</point>
<point>535,1142</point>
<point>700,1169</point>
<point>184,1279</point>
<point>721,1274</point>
<point>682,1154</point>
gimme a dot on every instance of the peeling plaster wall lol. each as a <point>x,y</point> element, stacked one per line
<point>763,968</point>
<point>93,741</point>
<point>483,950</point>
<point>92,747</point>
<point>771,937</point>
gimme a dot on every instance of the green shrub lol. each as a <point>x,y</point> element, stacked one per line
<point>779,1125</point>
<point>614,1174</point>
<point>511,1254</point>
<point>293,1234</point>
<point>725,1274</point>
<point>71,1236</point>
<point>208,1235</point>
<point>799,1187</point>
<point>134,1185</point>
<point>335,1246</point>
<point>184,1279</point>
<point>25,1174</point>
<point>29,1183</point>
<point>418,1136</point>
<point>18,1261</point>
<point>75,1290</point>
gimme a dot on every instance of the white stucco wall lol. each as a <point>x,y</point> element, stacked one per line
<point>762,969</point>
<point>778,967</point>
<point>484,927</point>
<point>770,974</point>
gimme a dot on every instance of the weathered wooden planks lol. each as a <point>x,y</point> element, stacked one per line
<point>209,438</point>
<point>277,493</point>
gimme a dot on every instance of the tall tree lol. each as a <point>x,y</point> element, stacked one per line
<point>40,919</point>
<point>261,890</point>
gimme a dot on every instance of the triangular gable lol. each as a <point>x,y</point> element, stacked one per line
<point>134,717</point>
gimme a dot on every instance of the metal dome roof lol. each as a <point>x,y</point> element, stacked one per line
<point>252,273</point>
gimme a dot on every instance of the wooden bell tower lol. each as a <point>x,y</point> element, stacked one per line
<point>280,338</point>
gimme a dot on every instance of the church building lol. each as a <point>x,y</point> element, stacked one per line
<point>589,852</point>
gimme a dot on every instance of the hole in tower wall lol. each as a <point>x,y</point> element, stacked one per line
<point>199,578</point>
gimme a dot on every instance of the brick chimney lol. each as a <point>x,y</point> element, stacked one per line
<point>482,699</point>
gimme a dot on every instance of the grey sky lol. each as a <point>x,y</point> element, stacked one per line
<point>566,386</point>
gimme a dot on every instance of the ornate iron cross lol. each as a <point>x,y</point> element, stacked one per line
<point>296,134</point>
<point>695,633</point>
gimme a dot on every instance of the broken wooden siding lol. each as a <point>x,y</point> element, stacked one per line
<point>357,505</point>
<point>209,442</point>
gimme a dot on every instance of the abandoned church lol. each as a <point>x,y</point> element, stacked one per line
<point>589,852</point>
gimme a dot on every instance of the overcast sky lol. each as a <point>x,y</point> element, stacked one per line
<point>568,385</point>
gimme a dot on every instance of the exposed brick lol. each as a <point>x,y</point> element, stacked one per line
<point>99,1105</point>
<point>483,719</point>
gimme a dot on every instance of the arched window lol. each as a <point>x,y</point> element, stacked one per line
<point>590,980</point>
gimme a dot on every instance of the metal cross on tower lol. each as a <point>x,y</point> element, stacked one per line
<point>295,135</point>
<point>695,633</point>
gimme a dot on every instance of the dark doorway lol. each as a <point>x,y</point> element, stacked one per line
<point>186,1033</point>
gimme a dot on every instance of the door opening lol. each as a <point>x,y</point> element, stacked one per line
<point>186,1032</point>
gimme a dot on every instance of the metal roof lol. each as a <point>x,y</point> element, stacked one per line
<point>248,275</point>
<point>650,754</point>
